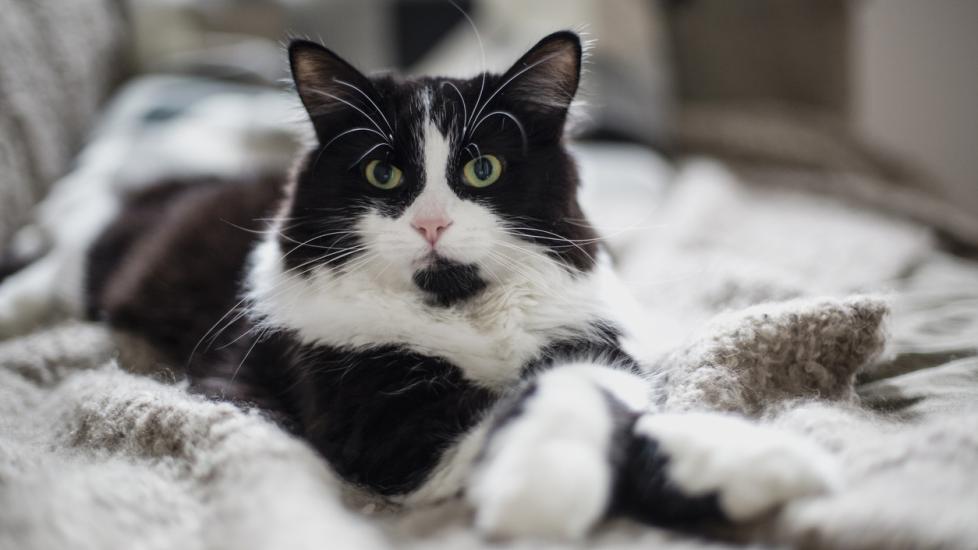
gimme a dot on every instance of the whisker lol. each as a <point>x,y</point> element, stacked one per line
<point>350,131</point>
<point>371,150</point>
<point>482,53</point>
<point>519,125</point>
<point>352,106</point>
<point>478,152</point>
<point>367,97</point>
<point>465,110</point>
<point>512,78</point>
<point>243,359</point>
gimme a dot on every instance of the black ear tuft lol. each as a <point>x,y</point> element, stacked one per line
<point>547,76</point>
<point>326,83</point>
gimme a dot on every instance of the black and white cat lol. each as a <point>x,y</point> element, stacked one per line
<point>430,309</point>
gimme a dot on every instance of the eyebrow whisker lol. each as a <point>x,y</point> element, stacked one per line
<point>367,97</point>
<point>371,150</point>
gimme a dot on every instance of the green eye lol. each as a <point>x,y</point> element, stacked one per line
<point>482,171</point>
<point>383,175</point>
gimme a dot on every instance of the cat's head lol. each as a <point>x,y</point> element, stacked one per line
<point>437,185</point>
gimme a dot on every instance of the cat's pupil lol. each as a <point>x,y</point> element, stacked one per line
<point>482,168</point>
<point>383,172</point>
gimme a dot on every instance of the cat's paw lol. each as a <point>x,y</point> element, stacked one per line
<point>558,489</point>
<point>750,469</point>
<point>546,470</point>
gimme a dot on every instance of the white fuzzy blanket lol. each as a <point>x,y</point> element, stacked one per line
<point>101,448</point>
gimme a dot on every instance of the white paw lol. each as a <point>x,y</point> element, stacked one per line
<point>751,468</point>
<point>546,473</point>
<point>558,489</point>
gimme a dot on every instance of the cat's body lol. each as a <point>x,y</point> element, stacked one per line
<point>424,302</point>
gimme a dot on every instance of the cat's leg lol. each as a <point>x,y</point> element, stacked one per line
<point>550,461</point>
<point>579,443</point>
<point>689,467</point>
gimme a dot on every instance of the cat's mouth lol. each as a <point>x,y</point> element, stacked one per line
<point>446,282</point>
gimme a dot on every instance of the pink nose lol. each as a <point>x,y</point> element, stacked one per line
<point>431,228</point>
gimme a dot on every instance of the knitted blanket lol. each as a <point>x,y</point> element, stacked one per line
<point>762,302</point>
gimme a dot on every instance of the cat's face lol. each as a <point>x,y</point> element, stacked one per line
<point>442,186</point>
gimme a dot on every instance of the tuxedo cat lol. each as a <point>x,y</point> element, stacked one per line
<point>423,301</point>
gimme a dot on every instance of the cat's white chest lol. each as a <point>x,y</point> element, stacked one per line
<point>490,337</point>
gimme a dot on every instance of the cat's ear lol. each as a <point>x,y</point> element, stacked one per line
<point>546,77</point>
<point>328,86</point>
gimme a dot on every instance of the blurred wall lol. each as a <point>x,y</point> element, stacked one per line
<point>915,87</point>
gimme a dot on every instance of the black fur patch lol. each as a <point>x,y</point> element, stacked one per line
<point>448,283</point>
<point>169,267</point>
<point>644,491</point>
<point>383,416</point>
<point>601,344</point>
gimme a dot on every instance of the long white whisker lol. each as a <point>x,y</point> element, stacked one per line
<point>509,115</point>
<point>367,97</point>
<point>354,107</point>
<point>243,359</point>
<point>350,131</point>
<point>465,110</point>
<point>512,78</point>
<point>482,53</point>
<point>371,150</point>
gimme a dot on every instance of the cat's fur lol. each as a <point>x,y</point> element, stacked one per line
<point>498,361</point>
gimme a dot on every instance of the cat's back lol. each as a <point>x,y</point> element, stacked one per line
<point>169,266</point>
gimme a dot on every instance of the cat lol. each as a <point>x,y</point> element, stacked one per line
<point>429,308</point>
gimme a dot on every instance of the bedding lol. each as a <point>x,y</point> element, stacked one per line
<point>58,62</point>
<point>798,309</point>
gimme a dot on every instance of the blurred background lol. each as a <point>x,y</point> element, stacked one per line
<point>876,97</point>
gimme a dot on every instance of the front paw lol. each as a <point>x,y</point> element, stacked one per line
<point>545,471</point>
<point>557,489</point>
<point>750,469</point>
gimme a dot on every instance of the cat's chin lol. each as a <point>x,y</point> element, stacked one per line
<point>447,282</point>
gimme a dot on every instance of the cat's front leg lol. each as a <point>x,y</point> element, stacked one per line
<point>550,459</point>
<point>579,443</point>
<point>688,467</point>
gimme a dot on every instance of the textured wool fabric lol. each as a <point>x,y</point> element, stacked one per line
<point>93,456</point>
<point>751,360</point>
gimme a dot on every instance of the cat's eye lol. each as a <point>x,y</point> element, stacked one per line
<point>383,175</point>
<point>482,171</point>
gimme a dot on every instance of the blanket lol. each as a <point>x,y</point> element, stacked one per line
<point>58,61</point>
<point>848,326</point>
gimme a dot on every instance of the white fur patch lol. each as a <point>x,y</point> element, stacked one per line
<point>752,468</point>
<point>490,337</point>
<point>546,473</point>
